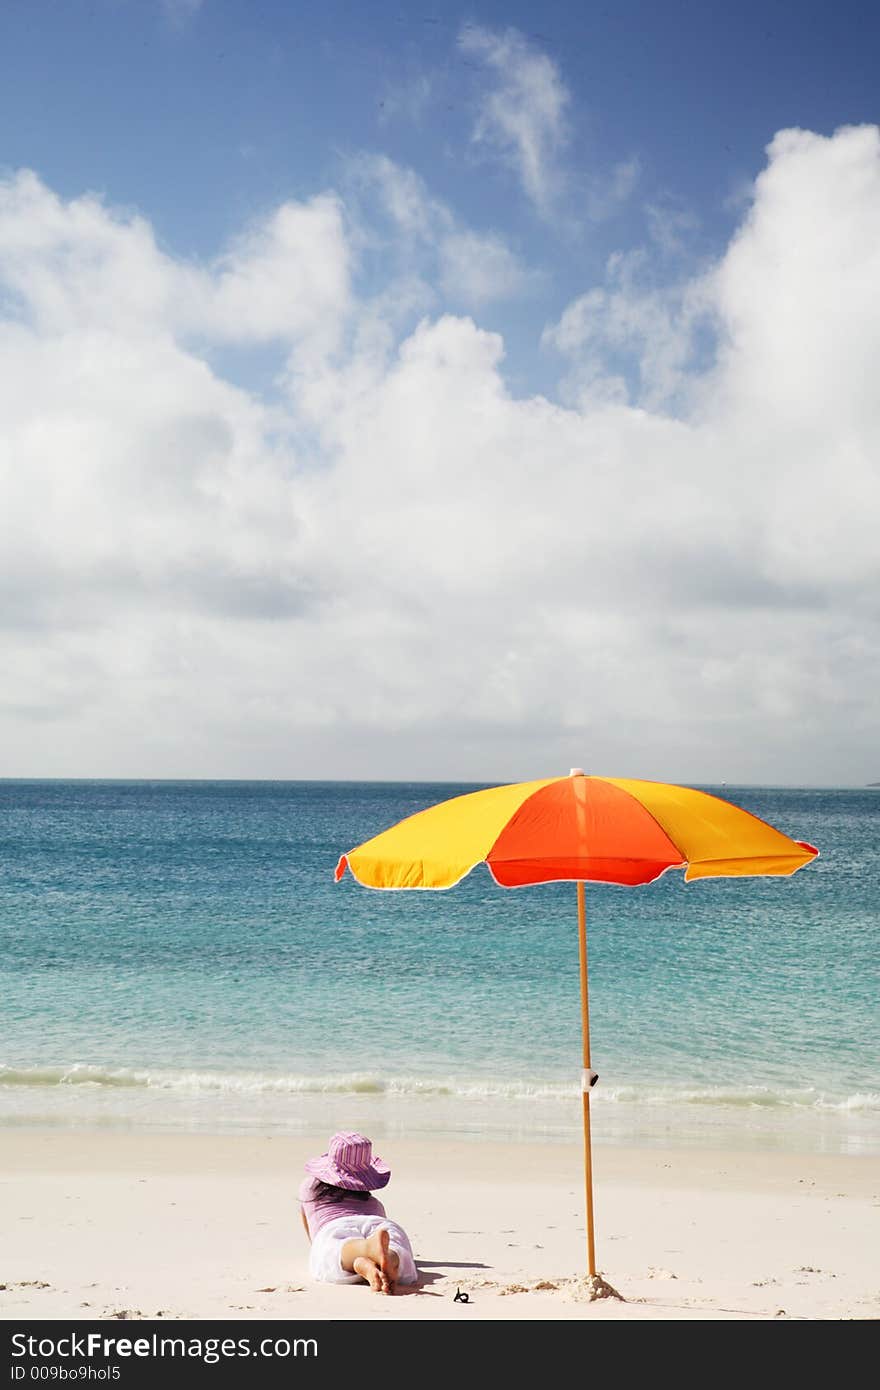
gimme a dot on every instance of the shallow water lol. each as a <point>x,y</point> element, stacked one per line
<point>177,955</point>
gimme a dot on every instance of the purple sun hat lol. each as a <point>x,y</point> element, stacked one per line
<point>349,1163</point>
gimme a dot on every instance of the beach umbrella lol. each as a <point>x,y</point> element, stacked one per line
<point>581,829</point>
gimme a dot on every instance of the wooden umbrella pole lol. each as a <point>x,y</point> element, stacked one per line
<point>585,1029</point>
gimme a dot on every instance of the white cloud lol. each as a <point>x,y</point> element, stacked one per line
<point>401,569</point>
<point>470,268</point>
<point>627,340</point>
<point>77,265</point>
<point>288,278</point>
<point>403,196</point>
<point>477,269</point>
<point>133,474</point>
<point>524,114</point>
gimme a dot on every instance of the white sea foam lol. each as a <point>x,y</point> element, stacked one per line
<point>243,1083</point>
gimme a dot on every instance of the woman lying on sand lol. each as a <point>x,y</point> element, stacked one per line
<point>352,1239</point>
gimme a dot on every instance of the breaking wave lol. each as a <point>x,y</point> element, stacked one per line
<point>243,1083</point>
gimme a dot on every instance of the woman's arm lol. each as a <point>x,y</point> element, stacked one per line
<point>305,1224</point>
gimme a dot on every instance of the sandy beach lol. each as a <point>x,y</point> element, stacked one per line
<point>113,1225</point>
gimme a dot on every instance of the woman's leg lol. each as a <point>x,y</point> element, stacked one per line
<point>372,1260</point>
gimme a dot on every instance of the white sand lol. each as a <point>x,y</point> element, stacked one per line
<point>98,1224</point>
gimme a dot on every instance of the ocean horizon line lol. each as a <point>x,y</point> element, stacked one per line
<point>415,782</point>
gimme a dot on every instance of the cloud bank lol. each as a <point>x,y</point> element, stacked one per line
<point>390,565</point>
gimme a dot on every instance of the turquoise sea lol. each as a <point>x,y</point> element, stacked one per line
<point>176,955</point>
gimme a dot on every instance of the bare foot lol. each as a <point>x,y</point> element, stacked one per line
<point>387,1261</point>
<point>369,1270</point>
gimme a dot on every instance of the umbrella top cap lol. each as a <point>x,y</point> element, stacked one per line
<point>577,772</point>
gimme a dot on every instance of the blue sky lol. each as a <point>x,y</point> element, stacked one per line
<point>203,115</point>
<point>320,322</point>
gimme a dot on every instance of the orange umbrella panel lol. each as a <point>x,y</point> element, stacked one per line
<point>581,828</point>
